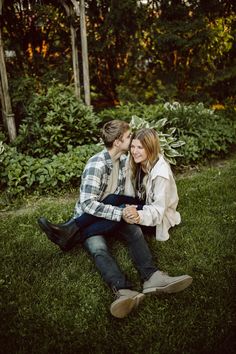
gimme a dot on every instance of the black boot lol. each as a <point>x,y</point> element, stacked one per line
<point>61,234</point>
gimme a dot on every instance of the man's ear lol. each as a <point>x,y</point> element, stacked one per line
<point>116,143</point>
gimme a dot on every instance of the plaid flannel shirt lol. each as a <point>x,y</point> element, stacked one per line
<point>94,183</point>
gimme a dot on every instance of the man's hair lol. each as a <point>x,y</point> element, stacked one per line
<point>113,130</point>
<point>149,139</point>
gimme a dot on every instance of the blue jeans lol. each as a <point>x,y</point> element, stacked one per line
<point>138,249</point>
<point>90,225</point>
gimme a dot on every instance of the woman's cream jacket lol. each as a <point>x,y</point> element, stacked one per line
<point>161,199</point>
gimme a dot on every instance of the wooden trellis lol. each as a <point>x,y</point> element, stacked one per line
<point>71,6</point>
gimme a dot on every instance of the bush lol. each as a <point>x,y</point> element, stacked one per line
<point>22,91</point>
<point>205,132</point>
<point>125,112</point>
<point>23,174</point>
<point>55,122</point>
<point>199,133</point>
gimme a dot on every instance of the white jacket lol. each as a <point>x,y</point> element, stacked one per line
<point>161,199</point>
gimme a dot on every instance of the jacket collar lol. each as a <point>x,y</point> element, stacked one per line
<point>160,169</point>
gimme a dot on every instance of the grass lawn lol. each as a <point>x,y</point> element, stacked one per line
<point>54,302</point>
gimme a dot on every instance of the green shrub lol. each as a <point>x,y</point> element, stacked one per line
<point>199,133</point>
<point>56,121</point>
<point>205,132</point>
<point>23,174</point>
<point>125,112</point>
<point>22,90</point>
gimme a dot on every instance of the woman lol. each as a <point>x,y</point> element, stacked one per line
<point>149,178</point>
<point>150,197</point>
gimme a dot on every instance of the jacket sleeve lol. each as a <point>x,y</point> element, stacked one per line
<point>153,214</point>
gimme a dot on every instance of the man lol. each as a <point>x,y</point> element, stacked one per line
<point>104,175</point>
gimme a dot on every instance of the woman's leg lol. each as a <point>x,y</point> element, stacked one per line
<point>114,199</point>
<point>138,249</point>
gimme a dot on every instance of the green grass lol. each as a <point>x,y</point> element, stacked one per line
<point>54,302</point>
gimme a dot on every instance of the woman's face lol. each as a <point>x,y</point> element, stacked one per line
<point>138,152</point>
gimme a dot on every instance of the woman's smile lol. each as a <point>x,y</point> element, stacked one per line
<point>138,152</point>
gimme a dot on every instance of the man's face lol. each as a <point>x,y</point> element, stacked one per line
<point>124,142</point>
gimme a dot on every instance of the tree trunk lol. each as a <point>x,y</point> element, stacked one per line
<point>8,116</point>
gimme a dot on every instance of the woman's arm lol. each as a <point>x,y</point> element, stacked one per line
<point>152,214</point>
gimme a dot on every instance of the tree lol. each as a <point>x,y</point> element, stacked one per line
<point>186,51</point>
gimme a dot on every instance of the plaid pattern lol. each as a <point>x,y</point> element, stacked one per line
<point>94,183</point>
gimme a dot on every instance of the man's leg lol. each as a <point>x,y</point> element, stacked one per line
<point>127,299</point>
<point>75,230</point>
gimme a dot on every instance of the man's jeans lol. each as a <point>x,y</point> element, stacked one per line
<point>132,235</point>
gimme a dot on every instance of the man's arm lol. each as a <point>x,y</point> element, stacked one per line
<point>94,182</point>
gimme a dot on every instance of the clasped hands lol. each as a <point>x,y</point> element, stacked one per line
<point>130,214</point>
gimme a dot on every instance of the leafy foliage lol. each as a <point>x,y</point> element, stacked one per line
<point>205,132</point>
<point>188,134</point>
<point>184,52</point>
<point>22,90</point>
<point>55,122</point>
<point>138,51</point>
<point>23,173</point>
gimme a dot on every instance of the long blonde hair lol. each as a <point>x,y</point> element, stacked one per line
<point>150,141</point>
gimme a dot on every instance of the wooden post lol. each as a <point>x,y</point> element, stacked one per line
<point>75,60</point>
<point>74,45</point>
<point>8,116</point>
<point>84,52</point>
<point>80,12</point>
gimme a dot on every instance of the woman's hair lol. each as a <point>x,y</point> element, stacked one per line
<point>113,130</point>
<point>150,141</point>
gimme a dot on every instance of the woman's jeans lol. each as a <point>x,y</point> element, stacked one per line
<point>90,225</point>
<point>139,251</point>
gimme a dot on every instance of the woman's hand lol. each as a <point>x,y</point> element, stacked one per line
<point>130,214</point>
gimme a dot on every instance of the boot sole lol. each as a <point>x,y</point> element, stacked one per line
<point>51,236</point>
<point>170,288</point>
<point>121,309</point>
